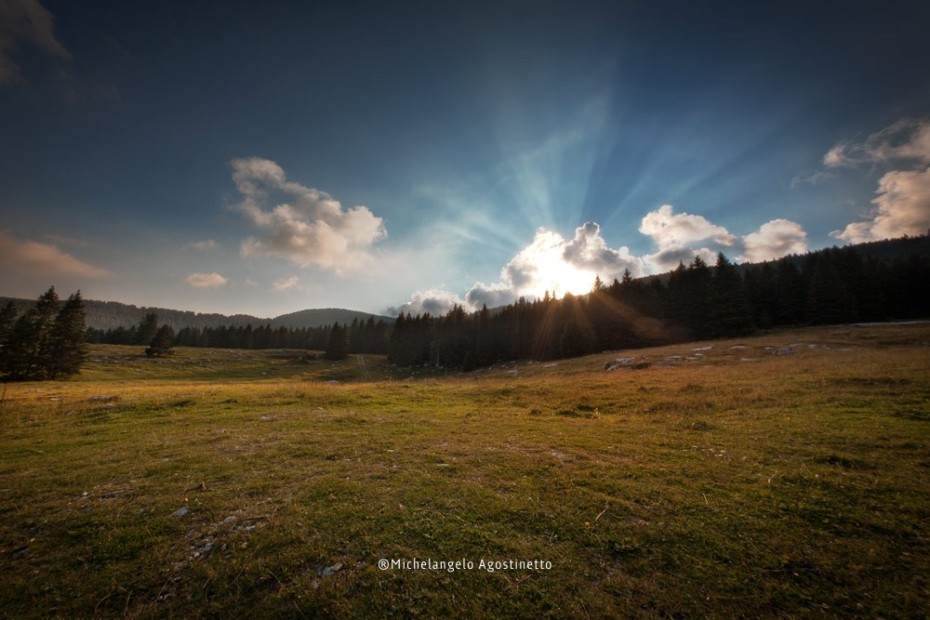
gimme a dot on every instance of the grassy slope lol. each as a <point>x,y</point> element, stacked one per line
<point>790,485</point>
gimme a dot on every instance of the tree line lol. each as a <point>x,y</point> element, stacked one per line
<point>367,336</point>
<point>697,301</point>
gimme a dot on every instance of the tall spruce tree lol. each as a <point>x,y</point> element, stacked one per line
<point>20,359</point>
<point>337,348</point>
<point>7,318</point>
<point>162,342</point>
<point>730,313</point>
<point>147,328</point>
<point>66,345</point>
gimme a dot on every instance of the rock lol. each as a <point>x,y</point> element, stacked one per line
<point>180,512</point>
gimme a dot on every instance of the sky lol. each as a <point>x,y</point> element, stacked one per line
<point>264,158</point>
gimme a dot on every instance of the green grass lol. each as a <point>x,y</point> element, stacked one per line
<point>789,485</point>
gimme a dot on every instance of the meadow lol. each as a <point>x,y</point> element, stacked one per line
<point>781,475</point>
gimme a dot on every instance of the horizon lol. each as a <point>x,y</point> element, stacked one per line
<point>268,160</point>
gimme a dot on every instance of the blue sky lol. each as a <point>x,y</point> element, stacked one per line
<point>264,158</point>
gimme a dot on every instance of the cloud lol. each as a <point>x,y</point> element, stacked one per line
<point>25,22</point>
<point>813,178</point>
<point>669,229</point>
<point>677,234</point>
<point>286,284</point>
<point>308,227</point>
<point>42,258</point>
<point>773,240</point>
<point>492,296</point>
<point>589,251</point>
<point>206,280</point>
<point>902,199</point>
<point>668,258</point>
<point>203,246</point>
<point>902,207</point>
<point>434,301</point>
<point>552,263</point>
<point>906,139</point>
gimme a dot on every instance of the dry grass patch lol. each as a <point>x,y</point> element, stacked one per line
<point>796,484</point>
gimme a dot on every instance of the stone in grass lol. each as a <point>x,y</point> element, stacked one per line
<point>327,571</point>
<point>180,512</point>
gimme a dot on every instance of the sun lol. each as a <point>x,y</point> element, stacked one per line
<point>542,267</point>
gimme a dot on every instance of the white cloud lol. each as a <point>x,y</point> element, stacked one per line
<point>902,207</point>
<point>906,139</point>
<point>435,301</point>
<point>492,296</point>
<point>203,246</point>
<point>668,258</point>
<point>308,227</point>
<point>206,280</point>
<point>286,284</point>
<point>42,259</point>
<point>773,240</point>
<point>669,229</point>
<point>25,21</point>
<point>902,201</point>
<point>589,251</point>
<point>813,178</point>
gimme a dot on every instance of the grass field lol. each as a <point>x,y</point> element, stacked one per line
<point>783,475</point>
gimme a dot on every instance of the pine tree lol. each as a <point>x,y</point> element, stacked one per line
<point>147,328</point>
<point>20,360</point>
<point>729,310</point>
<point>27,349</point>
<point>7,318</point>
<point>66,344</point>
<point>162,342</point>
<point>337,348</point>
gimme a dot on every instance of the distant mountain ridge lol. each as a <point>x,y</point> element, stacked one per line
<point>113,314</point>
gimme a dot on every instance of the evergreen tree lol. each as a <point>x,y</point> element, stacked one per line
<point>7,319</point>
<point>147,328</point>
<point>162,342</point>
<point>66,345</point>
<point>28,347</point>
<point>828,300</point>
<point>47,308</point>
<point>337,348</point>
<point>20,359</point>
<point>729,310</point>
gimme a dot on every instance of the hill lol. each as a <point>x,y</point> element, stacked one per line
<point>324,316</point>
<point>112,314</point>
